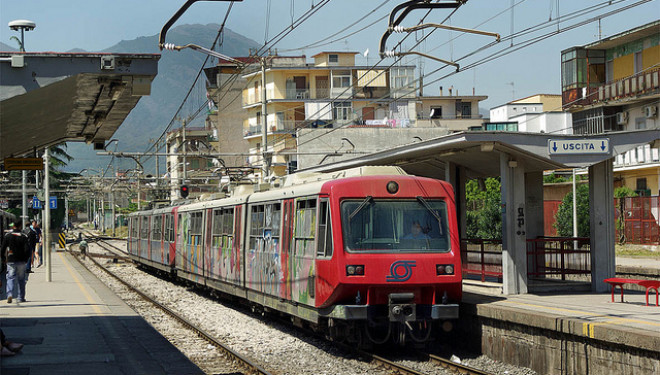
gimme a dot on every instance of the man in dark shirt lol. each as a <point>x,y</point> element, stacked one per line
<point>15,253</point>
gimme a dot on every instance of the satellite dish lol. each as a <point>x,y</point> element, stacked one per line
<point>22,25</point>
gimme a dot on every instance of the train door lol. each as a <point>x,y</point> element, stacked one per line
<point>238,256</point>
<point>303,271</point>
<point>287,236</point>
<point>209,258</point>
<point>180,257</point>
<point>144,237</point>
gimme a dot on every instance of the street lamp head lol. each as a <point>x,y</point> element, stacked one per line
<point>26,25</point>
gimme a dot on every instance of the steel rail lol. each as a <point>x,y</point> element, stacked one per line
<point>243,361</point>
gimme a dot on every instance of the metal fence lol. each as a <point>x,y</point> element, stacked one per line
<point>558,257</point>
<point>482,258</point>
<point>547,257</point>
<point>640,220</point>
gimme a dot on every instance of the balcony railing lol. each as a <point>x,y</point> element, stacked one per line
<point>278,127</point>
<point>639,84</point>
<point>297,94</point>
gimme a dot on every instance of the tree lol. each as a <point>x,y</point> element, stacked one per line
<point>564,216</point>
<point>484,215</point>
<point>622,193</point>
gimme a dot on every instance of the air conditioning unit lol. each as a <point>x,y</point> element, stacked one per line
<point>650,111</point>
<point>622,118</point>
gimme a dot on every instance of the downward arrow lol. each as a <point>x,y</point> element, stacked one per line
<point>602,146</point>
<point>554,146</point>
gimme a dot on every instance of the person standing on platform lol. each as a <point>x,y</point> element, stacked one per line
<point>33,238</point>
<point>15,253</point>
<point>39,251</point>
<point>8,348</point>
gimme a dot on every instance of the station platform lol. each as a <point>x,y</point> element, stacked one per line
<point>77,325</point>
<point>567,332</point>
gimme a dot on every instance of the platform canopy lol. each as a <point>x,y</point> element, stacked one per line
<point>479,152</point>
<point>47,98</point>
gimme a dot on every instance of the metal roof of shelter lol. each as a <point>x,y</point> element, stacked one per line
<point>478,152</point>
<point>48,97</point>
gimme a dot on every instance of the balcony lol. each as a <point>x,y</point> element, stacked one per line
<point>642,155</point>
<point>297,94</point>
<point>640,84</point>
<point>278,127</point>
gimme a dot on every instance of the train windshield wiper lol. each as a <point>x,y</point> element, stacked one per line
<point>428,207</point>
<point>359,208</point>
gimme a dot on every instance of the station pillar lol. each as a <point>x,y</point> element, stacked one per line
<point>514,233</point>
<point>455,175</point>
<point>534,221</point>
<point>601,214</point>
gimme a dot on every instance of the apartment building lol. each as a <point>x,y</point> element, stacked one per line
<point>540,113</point>
<point>331,109</point>
<point>613,85</point>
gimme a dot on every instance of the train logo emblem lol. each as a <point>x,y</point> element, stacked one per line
<point>396,274</point>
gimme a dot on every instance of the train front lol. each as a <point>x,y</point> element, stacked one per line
<point>395,274</point>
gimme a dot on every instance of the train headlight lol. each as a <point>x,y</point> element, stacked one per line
<point>355,270</point>
<point>444,269</point>
<point>392,187</point>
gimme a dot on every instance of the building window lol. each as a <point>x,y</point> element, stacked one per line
<point>466,110</point>
<point>436,113</point>
<point>333,59</point>
<point>402,82</point>
<point>342,110</point>
<point>638,62</point>
<point>640,123</point>
<point>341,78</point>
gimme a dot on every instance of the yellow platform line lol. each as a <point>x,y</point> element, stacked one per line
<point>87,295</point>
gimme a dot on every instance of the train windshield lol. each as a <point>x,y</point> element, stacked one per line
<point>373,225</point>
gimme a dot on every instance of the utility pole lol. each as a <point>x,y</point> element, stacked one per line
<point>264,115</point>
<point>183,144</point>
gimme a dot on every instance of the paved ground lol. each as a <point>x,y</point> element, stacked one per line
<point>76,325</point>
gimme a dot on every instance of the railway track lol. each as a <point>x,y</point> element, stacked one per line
<point>244,362</point>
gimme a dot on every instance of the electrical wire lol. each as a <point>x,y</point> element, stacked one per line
<point>512,49</point>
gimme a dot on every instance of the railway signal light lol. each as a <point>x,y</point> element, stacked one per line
<point>184,191</point>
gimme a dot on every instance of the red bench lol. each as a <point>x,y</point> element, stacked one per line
<point>648,284</point>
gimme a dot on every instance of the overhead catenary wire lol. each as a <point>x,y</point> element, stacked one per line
<point>510,50</point>
<point>264,48</point>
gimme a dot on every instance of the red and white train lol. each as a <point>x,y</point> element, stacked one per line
<point>369,254</point>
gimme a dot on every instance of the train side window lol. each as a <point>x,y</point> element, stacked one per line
<point>271,231</point>
<point>144,227</point>
<point>305,227</point>
<point>156,225</point>
<point>325,230</point>
<point>169,228</point>
<point>256,226</point>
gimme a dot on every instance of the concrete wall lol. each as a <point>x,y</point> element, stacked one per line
<point>365,140</point>
<point>547,122</point>
<point>551,345</point>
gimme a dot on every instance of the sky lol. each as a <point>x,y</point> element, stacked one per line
<point>94,25</point>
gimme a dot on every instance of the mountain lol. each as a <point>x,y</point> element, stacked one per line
<point>176,72</point>
<point>7,48</point>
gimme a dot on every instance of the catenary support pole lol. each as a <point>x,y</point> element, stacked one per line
<point>24,215</point>
<point>46,227</point>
